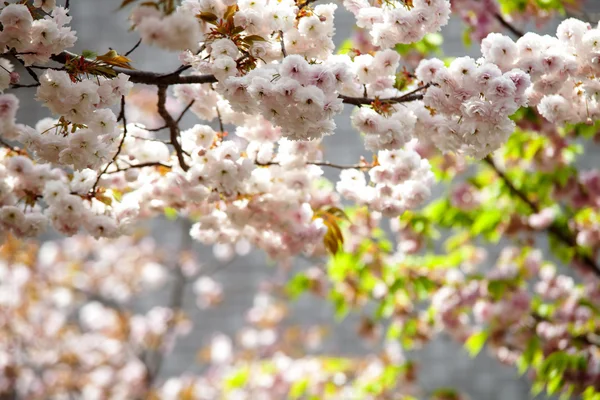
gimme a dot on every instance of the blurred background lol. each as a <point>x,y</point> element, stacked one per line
<point>442,363</point>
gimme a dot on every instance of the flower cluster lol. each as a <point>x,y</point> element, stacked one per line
<point>467,110</point>
<point>390,24</point>
<point>299,97</point>
<point>176,32</point>
<point>91,139</point>
<point>62,306</point>
<point>35,39</point>
<point>401,180</point>
<point>562,69</point>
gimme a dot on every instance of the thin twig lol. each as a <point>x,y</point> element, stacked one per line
<point>121,117</point>
<point>29,70</point>
<point>282,44</point>
<point>141,165</point>
<point>221,127</point>
<point>322,164</point>
<point>185,110</point>
<point>172,125</point>
<point>134,48</point>
<point>518,33</point>
<point>568,238</point>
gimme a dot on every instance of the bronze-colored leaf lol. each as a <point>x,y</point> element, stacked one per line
<point>125,3</point>
<point>254,38</point>
<point>113,58</point>
<point>230,11</point>
<point>207,17</point>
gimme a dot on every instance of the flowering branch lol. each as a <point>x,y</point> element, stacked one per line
<point>175,78</point>
<point>567,238</point>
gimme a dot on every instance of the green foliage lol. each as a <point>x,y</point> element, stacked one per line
<point>475,342</point>
<point>431,43</point>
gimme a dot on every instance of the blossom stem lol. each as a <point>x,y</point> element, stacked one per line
<point>134,48</point>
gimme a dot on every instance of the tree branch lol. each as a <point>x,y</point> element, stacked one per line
<point>322,164</point>
<point>172,125</point>
<point>568,238</point>
<point>405,98</point>
<point>518,33</point>
<point>141,165</point>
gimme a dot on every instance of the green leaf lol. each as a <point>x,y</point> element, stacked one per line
<point>555,384</point>
<point>170,213</point>
<point>345,47</point>
<point>487,221</point>
<point>298,389</point>
<point>475,342</point>
<point>297,285</point>
<point>238,379</point>
<point>89,54</point>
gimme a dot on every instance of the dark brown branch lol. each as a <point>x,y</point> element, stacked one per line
<point>141,165</point>
<point>172,125</point>
<point>405,98</point>
<point>134,48</point>
<point>18,86</point>
<point>568,238</point>
<point>518,33</point>
<point>322,164</point>
<point>146,77</point>
<point>9,147</point>
<point>121,117</point>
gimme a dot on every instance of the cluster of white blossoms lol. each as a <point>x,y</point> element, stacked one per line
<point>35,40</point>
<point>563,69</point>
<point>64,303</point>
<point>401,181</point>
<point>299,97</point>
<point>376,74</point>
<point>84,103</point>
<point>33,195</point>
<point>176,32</point>
<point>468,106</point>
<point>275,207</point>
<point>391,23</point>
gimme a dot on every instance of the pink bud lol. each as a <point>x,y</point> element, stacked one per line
<point>14,78</point>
